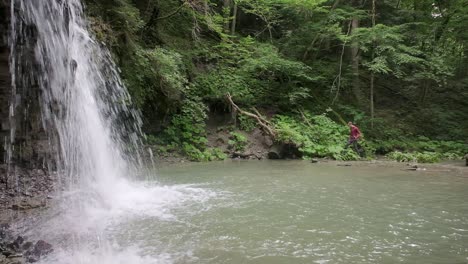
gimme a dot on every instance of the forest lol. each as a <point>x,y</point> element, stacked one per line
<point>295,70</point>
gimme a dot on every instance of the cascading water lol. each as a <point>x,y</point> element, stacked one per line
<point>93,133</point>
<point>82,96</point>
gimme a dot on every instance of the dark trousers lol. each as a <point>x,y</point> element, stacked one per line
<point>356,147</point>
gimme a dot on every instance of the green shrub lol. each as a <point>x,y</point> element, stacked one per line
<point>421,157</point>
<point>316,136</point>
<point>401,157</point>
<point>246,123</point>
<point>237,141</point>
<point>451,149</point>
<point>428,157</point>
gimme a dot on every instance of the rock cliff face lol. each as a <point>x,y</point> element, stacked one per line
<point>30,141</point>
<point>20,182</point>
<point>5,78</point>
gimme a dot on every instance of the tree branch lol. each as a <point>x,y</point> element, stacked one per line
<point>173,13</point>
<point>260,120</point>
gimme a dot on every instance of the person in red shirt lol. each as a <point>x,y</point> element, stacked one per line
<point>354,136</point>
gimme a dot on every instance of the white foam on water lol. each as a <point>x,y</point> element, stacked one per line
<point>105,255</point>
<point>87,235</point>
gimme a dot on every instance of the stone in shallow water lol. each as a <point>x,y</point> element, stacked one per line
<point>42,248</point>
<point>16,259</point>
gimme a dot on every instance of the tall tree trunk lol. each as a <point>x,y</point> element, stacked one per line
<point>234,19</point>
<point>372,99</point>
<point>372,73</point>
<point>226,14</point>
<point>355,62</point>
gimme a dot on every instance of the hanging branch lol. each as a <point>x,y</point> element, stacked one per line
<point>265,124</point>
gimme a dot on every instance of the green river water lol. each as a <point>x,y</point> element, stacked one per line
<point>297,212</point>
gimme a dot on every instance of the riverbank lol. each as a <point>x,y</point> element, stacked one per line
<point>456,166</point>
<point>24,194</point>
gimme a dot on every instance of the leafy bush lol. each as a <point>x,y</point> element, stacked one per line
<point>428,157</point>
<point>401,157</point>
<point>316,136</point>
<point>246,123</point>
<point>237,141</point>
<point>445,149</point>
<point>189,126</point>
<point>421,157</point>
<point>209,154</point>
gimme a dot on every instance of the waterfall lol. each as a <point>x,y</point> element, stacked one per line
<point>93,133</point>
<point>84,105</point>
<point>92,136</point>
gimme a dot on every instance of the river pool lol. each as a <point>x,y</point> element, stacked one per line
<point>289,212</point>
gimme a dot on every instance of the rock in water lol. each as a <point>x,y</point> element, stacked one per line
<point>42,248</point>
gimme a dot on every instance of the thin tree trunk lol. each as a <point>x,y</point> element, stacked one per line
<point>372,73</point>
<point>425,91</point>
<point>234,19</point>
<point>372,99</point>
<point>227,14</point>
<point>309,48</point>
<point>355,62</point>
<point>338,78</point>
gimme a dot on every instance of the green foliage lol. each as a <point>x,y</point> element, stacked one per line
<point>155,73</point>
<point>317,136</point>
<point>447,149</point>
<point>178,59</point>
<point>187,131</point>
<point>424,150</point>
<point>237,141</point>
<point>246,123</point>
<point>152,140</point>
<point>421,157</point>
<point>401,157</point>
<point>254,73</point>
<point>209,154</point>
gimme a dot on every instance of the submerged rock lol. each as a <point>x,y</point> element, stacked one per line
<point>14,260</point>
<point>42,248</point>
<point>19,251</point>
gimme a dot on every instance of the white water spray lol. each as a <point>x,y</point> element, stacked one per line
<point>93,135</point>
<point>92,131</point>
<point>83,100</point>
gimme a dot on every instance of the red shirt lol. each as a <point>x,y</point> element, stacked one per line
<point>355,133</point>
